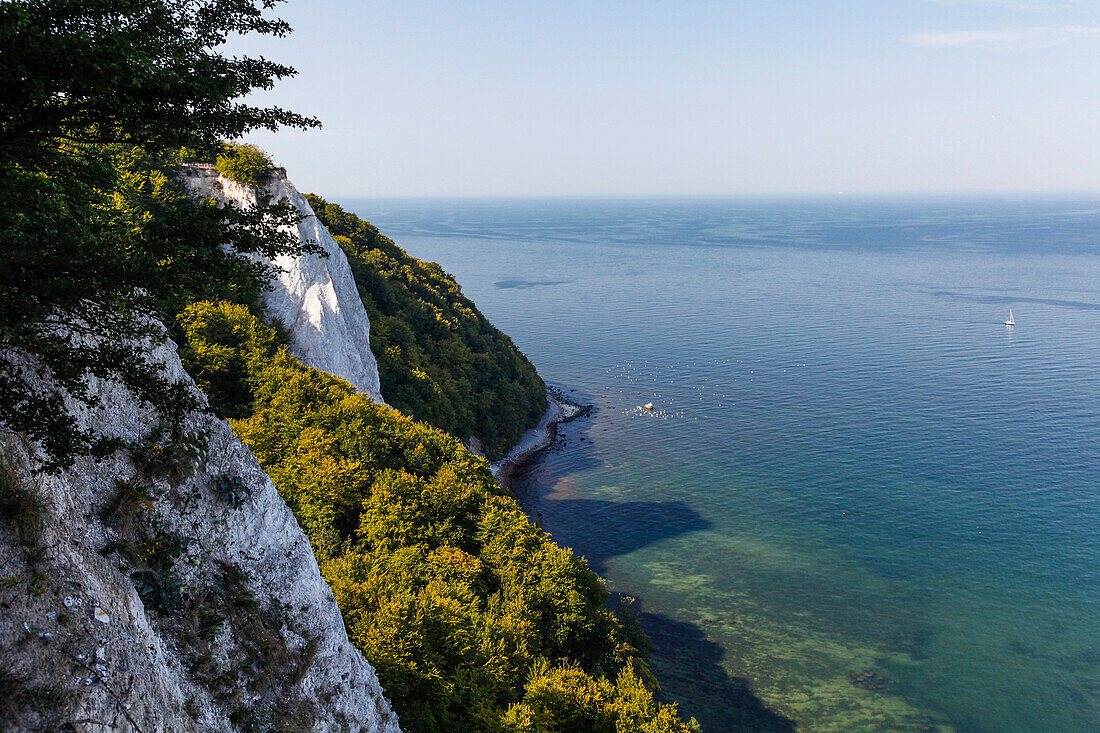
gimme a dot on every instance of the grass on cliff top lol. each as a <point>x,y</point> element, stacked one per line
<point>439,358</point>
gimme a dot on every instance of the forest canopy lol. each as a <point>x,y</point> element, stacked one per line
<point>439,359</point>
<point>472,617</point>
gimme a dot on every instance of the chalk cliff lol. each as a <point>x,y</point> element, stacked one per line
<point>167,588</point>
<point>315,297</point>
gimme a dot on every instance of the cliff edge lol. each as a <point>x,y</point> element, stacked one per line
<point>314,297</point>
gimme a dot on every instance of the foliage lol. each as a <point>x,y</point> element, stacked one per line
<point>132,498</point>
<point>149,72</point>
<point>439,358</point>
<point>98,240</point>
<point>231,489</point>
<point>215,353</point>
<point>465,608</point>
<point>149,550</point>
<point>244,163</point>
<point>566,699</point>
<point>165,451</point>
<point>155,578</point>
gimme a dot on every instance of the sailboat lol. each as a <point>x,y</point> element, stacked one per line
<point>1011,319</point>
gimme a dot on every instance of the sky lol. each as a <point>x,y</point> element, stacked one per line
<point>688,97</point>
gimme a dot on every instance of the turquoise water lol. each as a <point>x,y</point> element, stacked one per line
<point>861,502</point>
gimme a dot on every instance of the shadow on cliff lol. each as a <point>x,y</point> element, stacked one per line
<point>689,668</point>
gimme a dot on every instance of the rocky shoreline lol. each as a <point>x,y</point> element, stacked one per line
<point>538,438</point>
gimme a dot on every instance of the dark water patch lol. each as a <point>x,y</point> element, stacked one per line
<point>689,667</point>
<point>1090,694</point>
<point>1012,299</point>
<point>1024,650</point>
<point>1081,694</point>
<point>517,283</point>
<point>916,641</point>
<point>1076,696</point>
<point>601,530</point>
<point>1083,660</point>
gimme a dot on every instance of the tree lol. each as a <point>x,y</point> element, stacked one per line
<point>144,72</point>
<point>244,163</point>
<point>99,244</point>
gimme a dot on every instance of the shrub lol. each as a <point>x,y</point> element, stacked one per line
<point>244,163</point>
<point>231,489</point>
<point>150,550</point>
<point>21,505</point>
<point>166,451</point>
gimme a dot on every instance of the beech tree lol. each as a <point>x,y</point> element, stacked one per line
<point>100,245</point>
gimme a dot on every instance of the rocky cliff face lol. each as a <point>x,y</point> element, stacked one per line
<point>315,297</point>
<point>169,588</point>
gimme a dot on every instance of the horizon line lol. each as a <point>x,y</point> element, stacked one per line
<point>1029,194</point>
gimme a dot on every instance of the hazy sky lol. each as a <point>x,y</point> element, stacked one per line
<point>689,97</point>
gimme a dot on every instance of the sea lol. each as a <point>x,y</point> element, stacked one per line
<point>861,502</point>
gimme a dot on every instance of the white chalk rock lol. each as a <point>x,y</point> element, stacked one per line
<point>315,297</point>
<point>304,673</point>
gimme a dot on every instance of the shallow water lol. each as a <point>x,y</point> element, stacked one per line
<point>860,498</point>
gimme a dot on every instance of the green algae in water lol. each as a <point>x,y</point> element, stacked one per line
<point>808,676</point>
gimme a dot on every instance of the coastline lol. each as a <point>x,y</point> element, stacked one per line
<point>537,438</point>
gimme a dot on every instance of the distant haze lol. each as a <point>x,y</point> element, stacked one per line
<point>682,98</point>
